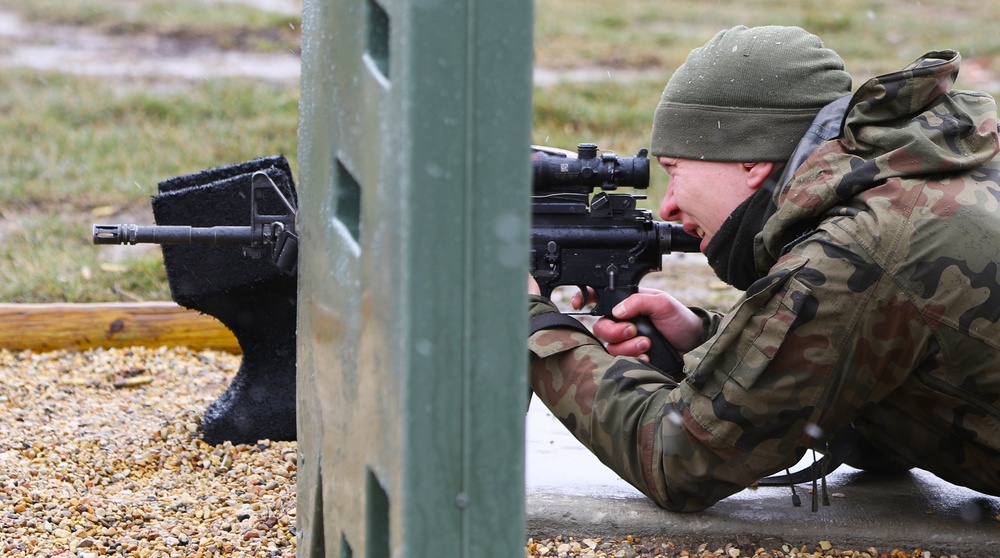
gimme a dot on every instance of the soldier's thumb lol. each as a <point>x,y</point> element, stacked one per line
<point>642,304</point>
<point>628,308</point>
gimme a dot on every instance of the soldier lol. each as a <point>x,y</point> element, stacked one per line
<point>865,232</point>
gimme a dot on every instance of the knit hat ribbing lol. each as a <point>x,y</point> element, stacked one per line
<point>749,94</point>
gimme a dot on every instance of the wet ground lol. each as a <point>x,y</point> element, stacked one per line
<point>571,492</point>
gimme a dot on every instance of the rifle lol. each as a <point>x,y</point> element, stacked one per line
<point>602,240</point>
<point>273,234</point>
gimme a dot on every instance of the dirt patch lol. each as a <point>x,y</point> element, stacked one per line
<point>85,51</point>
<point>62,48</point>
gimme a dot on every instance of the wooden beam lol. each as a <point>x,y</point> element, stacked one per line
<point>49,327</point>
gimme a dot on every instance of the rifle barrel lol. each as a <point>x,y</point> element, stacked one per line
<point>674,239</point>
<point>171,234</point>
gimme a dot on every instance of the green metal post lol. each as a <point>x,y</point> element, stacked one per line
<point>414,178</point>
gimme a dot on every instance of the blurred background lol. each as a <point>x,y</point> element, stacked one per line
<point>101,100</point>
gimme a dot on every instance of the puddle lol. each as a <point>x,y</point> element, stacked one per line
<point>287,7</point>
<point>545,77</point>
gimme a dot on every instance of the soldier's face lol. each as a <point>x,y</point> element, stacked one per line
<point>702,194</point>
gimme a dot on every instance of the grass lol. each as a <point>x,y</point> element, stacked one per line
<point>83,143</point>
<point>873,36</point>
<point>78,150</point>
<point>47,257</point>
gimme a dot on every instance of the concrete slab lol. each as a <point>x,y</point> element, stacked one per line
<point>571,493</point>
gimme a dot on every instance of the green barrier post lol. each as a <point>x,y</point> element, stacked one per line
<point>414,184</point>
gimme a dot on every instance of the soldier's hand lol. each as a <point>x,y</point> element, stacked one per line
<point>676,322</point>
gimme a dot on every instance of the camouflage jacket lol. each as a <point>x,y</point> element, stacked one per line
<point>884,314</point>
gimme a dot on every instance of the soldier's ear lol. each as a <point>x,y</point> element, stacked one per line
<point>757,173</point>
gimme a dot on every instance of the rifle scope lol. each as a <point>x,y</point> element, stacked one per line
<point>563,172</point>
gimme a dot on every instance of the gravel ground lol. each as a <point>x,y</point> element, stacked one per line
<point>629,547</point>
<point>101,455</point>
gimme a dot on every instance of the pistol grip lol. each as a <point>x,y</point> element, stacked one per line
<point>661,353</point>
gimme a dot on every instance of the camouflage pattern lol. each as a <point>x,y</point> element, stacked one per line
<point>886,317</point>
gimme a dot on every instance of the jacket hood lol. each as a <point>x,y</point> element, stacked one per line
<point>903,124</point>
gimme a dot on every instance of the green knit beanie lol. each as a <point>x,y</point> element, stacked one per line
<point>748,95</point>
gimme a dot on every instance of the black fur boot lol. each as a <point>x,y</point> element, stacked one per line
<point>249,296</point>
